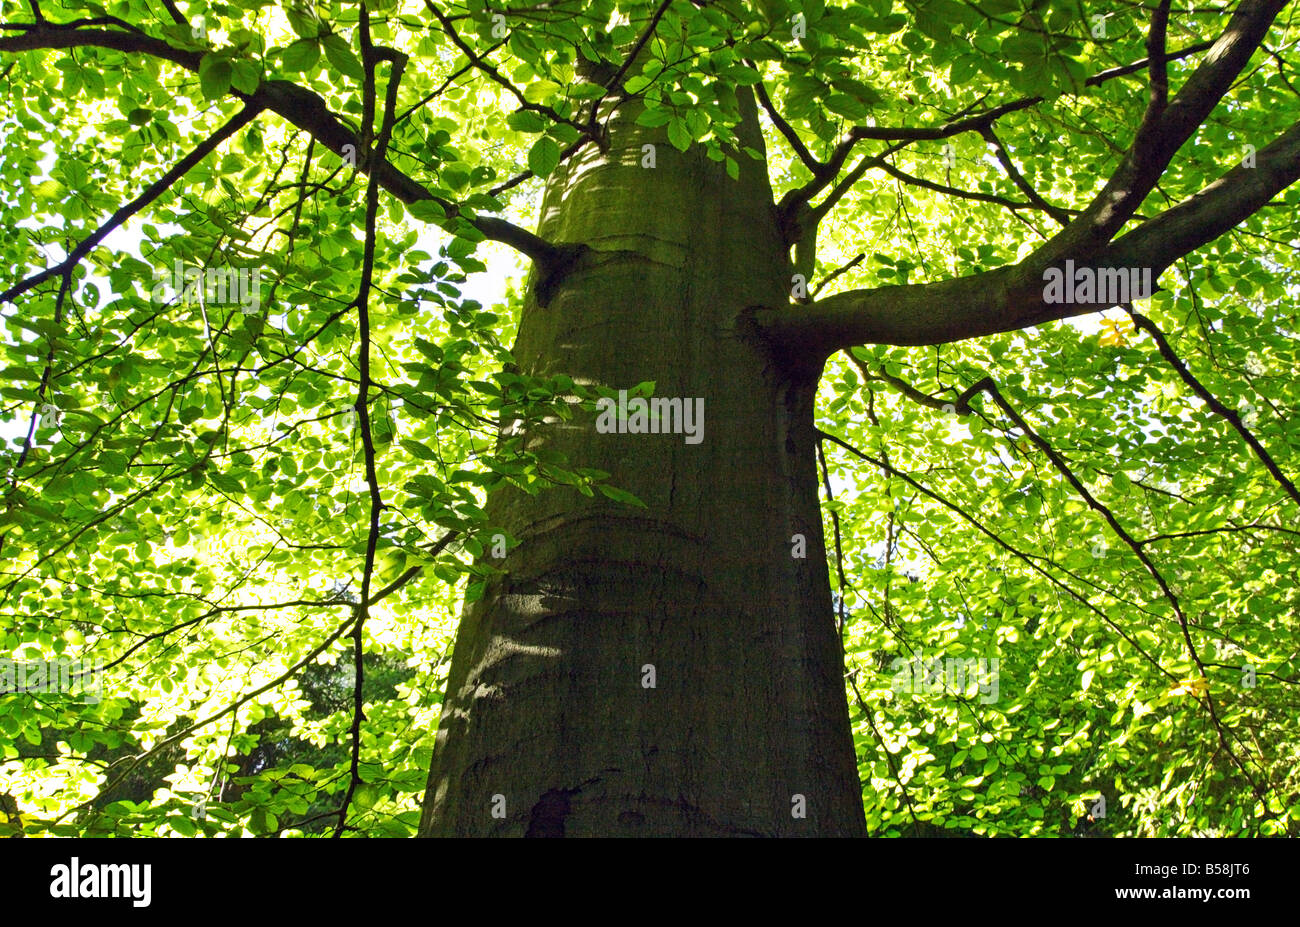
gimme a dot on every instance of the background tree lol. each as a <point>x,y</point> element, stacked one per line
<point>227,497</point>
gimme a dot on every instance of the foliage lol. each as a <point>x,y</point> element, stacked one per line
<point>188,493</point>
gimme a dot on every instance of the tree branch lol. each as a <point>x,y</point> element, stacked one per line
<point>1229,415</point>
<point>989,386</point>
<point>1011,298</point>
<point>946,190</point>
<point>1164,130</point>
<point>1028,559</point>
<point>490,70</point>
<point>298,106</point>
<point>957,125</point>
<point>837,271</point>
<point>1061,216</point>
<point>151,193</point>
<point>615,81</point>
<point>787,130</point>
<point>362,406</point>
<point>1159,68</point>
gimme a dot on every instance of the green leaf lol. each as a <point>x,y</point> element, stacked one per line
<point>525,120</point>
<point>302,55</point>
<point>427,211</point>
<point>302,22</point>
<point>653,118</point>
<point>418,450</point>
<point>340,55</point>
<point>544,156</point>
<point>620,495</point>
<point>214,76</point>
<point>844,105</point>
<point>245,76</point>
<point>225,482</point>
<point>678,134</point>
<point>539,91</point>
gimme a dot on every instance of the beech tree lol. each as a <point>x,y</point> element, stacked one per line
<point>836,418</point>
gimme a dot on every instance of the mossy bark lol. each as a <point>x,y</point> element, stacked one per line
<point>548,727</point>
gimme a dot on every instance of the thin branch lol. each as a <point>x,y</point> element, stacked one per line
<point>951,191</point>
<point>1026,558</point>
<point>1061,216</point>
<point>1229,415</point>
<point>490,70</point>
<point>441,88</point>
<point>1159,69</point>
<point>989,386</point>
<point>175,13</point>
<point>515,181</point>
<point>151,193</point>
<point>835,523</point>
<point>362,406</point>
<point>617,79</point>
<point>837,271</point>
<point>132,762</point>
<point>957,125</point>
<point>818,168</point>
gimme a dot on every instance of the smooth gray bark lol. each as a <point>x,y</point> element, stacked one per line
<point>546,705</point>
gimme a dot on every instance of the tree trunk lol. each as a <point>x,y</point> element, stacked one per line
<point>550,726</point>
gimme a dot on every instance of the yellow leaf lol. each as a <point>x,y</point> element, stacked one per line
<point>1195,686</point>
<point>48,190</point>
<point>1111,333</point>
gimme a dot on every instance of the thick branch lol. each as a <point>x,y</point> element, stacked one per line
<point>299,106</point>
<point>1165,129</point>
<point>1011,298</point>
<point>1221,206</point>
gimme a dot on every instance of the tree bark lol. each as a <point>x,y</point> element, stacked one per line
<point>548,727</point>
